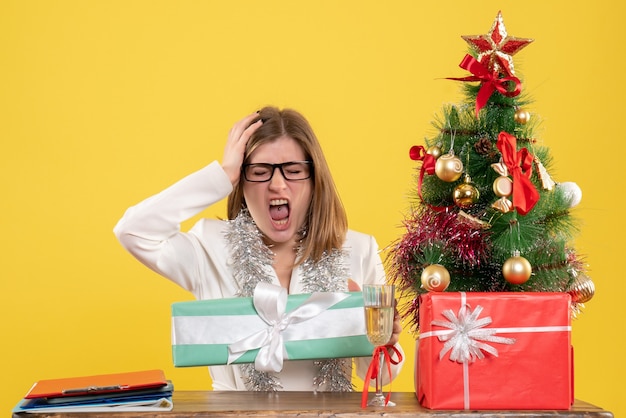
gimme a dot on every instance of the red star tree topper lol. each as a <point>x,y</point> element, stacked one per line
<point>496,48</point>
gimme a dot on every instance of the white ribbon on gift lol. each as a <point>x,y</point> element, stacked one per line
<point>465,334</point>
<point>464,339</point>
<point>270,302</point>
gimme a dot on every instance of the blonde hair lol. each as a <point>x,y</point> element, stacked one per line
<point>327,222</point>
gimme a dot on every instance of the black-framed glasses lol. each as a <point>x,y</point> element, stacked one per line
<point>292,171</point>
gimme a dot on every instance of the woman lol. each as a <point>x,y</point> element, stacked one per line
<point>286,226</point>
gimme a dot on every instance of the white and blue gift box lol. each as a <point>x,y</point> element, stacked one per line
<point>269,328</point>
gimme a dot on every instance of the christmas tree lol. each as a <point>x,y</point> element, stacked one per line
<point>486,216</point>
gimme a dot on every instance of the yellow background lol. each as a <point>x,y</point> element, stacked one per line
<point>103,103</point>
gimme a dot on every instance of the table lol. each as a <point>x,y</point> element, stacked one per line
<point>190,404</point>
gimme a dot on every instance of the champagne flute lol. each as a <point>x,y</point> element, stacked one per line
<point>378,300</point>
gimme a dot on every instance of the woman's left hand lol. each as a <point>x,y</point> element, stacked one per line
<point>397,326</point>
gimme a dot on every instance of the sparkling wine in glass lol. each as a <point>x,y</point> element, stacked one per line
<point>378,301</point>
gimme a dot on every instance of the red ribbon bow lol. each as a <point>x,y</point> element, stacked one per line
<point>490,81</point>
<point>520,166</point>
<point>372,370</point>
<point>418,153</point>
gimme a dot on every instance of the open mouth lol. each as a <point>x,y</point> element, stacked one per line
<point>279,211</point>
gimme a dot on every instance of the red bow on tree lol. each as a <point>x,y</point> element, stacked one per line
<point>490,81</point>
<point>418,153</point>
<point>520,166</point>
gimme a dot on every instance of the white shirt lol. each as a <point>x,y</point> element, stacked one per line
<point>198,260</point>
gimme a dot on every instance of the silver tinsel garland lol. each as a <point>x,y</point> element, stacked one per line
<point>249,255</point>
<point>252,262</point>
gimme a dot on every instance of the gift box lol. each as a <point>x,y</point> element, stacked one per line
<point>269,328</point>
<point>494,350</point>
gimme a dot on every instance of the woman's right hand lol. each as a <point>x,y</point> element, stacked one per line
<point>236,146</point>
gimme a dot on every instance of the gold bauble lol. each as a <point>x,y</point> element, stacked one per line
<point>435,278</point>
<point>449,168</point>
<point>582,290</point>
<point>434,150</point>
<point>503,204</point>
<point>521,116</point>
<point>516,270</point>
<point>503,186</point>
<point>465,195</point>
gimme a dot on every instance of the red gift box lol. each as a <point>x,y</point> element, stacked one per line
<point>496,350</point>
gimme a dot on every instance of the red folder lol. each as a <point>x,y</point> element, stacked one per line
<point>104,383</point>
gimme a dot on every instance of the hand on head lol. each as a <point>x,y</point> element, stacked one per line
<point>236,145</point>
